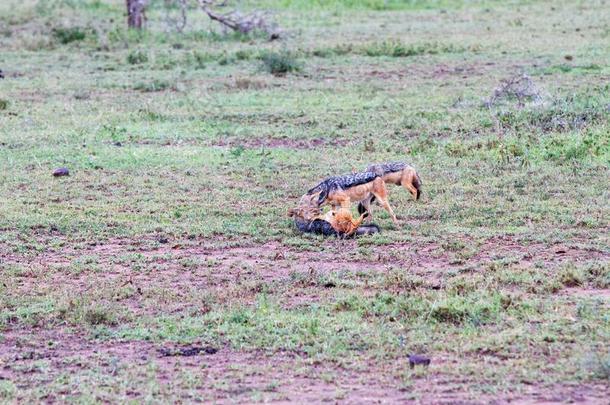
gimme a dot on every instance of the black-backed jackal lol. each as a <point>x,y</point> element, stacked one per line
<point>341,191</point>
<point>398,173</point>
<point>308,218</point>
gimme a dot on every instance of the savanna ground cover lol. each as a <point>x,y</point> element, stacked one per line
<point>186,151</point>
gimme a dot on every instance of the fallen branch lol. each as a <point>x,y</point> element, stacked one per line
<point>243,23</point>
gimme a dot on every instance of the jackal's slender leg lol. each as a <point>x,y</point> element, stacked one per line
<point>386,205</point>
<point>407,180</point>
<point>380,191</point>
<point>409,187</point>
<point>365,207</point>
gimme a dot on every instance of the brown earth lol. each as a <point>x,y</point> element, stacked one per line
<point>39,356</point>
<point>185,265</point>
<point>234,273</point>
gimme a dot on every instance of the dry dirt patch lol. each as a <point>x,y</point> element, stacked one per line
<point>225,375</point>
<point>201,264</point>
<point>31,356</point>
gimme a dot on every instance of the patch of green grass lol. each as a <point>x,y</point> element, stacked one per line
<point>398,49</point>
<point>280,63</point>
<point>7,390</point>
<point>66,35</point>
<point>375,5</point>
<point>562,115</point>
<point>155,85</point>
<point>571,277</point>
<point>171,229</point>
<point>137,57</point>
<point>598,364</point>
<point>569,68</point>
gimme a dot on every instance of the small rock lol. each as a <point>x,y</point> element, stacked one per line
<point>568,57</point>
<point>61,171</point>
<point>416,359</point>
<point>163,240</point>
<point>1,74</point>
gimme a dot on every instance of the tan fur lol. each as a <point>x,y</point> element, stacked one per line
<point>307,209</point>
<point>406,178</point>
<point>343,198</point>
<point>343,222</point>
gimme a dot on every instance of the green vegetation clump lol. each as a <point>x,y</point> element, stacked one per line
<point>155,85</point>
<point>561,115</point>
<point>66,35</point>
<point>280,63</point>
<point>137,57</point>
<point>399,49</point>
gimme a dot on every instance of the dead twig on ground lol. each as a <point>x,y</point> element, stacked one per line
<point>243,23</point>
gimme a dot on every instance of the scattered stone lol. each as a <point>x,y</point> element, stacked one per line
<point>61,171</point>
<point>187,351</point>
<point>163,240</point>
<point>418,360</point>
<point>1,74</point>
<point>569,57</point>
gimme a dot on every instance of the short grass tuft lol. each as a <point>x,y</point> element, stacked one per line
<point>280,63</point>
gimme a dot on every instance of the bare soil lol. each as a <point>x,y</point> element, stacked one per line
<point>226,375</point>
<point>223,268</point>
<point>233,376</point>
<point>184,265</point>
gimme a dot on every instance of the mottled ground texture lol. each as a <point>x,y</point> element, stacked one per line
<point>164,267</point>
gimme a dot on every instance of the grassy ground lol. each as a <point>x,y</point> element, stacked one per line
<point>186,153</point>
